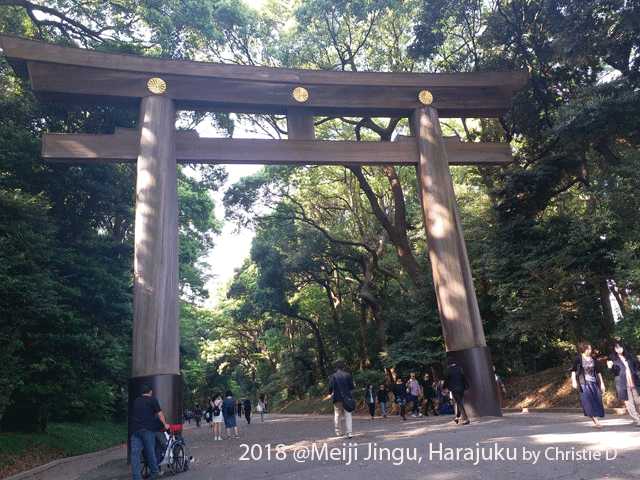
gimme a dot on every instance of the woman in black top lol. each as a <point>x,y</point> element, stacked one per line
<point>586,377</point>
<point>400,393</point>
<point>429,394</point>
<point>626,371</point>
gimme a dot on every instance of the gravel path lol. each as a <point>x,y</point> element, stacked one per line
<point>415,449</point>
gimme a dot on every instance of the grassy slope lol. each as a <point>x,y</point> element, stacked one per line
<point>21,451</point>
<point>548,389</point>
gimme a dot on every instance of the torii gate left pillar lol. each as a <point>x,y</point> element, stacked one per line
<point>156,326</point>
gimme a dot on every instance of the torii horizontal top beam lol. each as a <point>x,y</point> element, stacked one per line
<point>124,144</point>
<point>77,75</point>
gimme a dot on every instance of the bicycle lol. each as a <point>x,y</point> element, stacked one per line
<point>173,453</point>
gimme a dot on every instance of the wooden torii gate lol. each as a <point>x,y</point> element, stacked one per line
<point>161,86</point>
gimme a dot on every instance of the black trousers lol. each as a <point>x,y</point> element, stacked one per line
<point>458,399</point>
<point>403,409</point>
<point>247,415</point>
<point>429,405</point>
<point>372,409</point>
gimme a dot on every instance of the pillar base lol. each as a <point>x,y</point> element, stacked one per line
<point>481,400</point>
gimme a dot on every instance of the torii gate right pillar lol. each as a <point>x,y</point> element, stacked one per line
<point>461,323</point>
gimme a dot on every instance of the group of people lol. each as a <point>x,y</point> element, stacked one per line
<point>425,396</point>
<point>429,395</point>
<point>587,378</point>
<point>223,410</point>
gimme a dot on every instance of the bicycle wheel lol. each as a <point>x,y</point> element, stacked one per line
<point>179,460</point>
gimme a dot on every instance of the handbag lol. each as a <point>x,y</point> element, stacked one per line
<point>349,403</point>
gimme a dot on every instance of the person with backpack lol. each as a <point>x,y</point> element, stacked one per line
<point>456,382</point>
<point>197,414</point>
<point>340,387</point>
<point>216,416</point>
<point>229,414</point>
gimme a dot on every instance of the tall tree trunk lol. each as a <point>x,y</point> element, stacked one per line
<point>322,355</point>
<point>381,331</point>
<point>333,306</point>
<point>362,337</point>
<point>397,232</point>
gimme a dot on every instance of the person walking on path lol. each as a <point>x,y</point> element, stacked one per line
<point>456,382</point>
<point>229,414</point>
<point>208,415</point>
<point>246,406</point>
<point>429,392</point>
<point>145,414</point>
<point>383,399</point>
<point>261,407</point>
<point>197,414</point>
<point>370,400</point>
<point>216,416</point>
<point>340,387</point>
<point>400,397</point>
<point>444,399</point>
<point>502,391</point>
<point>586,377</point>
<point>415,393</point>
<point>626,372</point>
